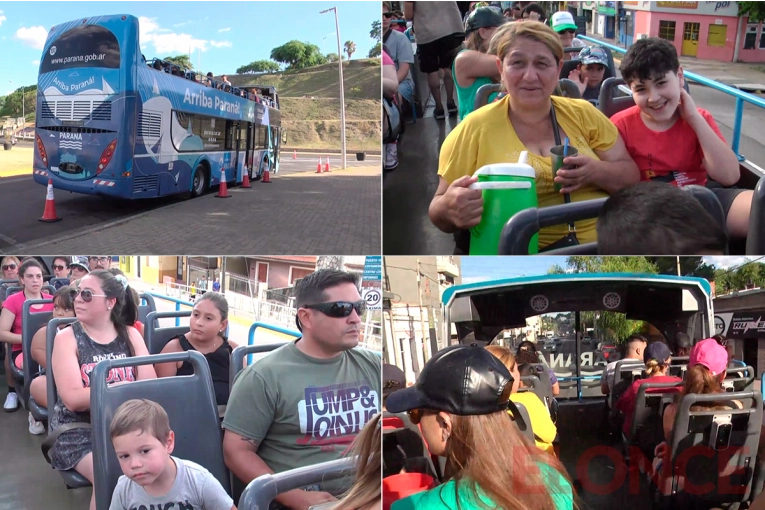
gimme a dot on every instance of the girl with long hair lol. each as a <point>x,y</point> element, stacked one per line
<point>366,493</point>
<point>207,335</point>
<point>460,402</point>
<point>30,276</point>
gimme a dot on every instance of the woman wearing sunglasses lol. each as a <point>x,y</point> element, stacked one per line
<point>460,402</point>
<point>105,312</point>
<point>31,281</point>
<point>10,267</point>
<point>207,335</point>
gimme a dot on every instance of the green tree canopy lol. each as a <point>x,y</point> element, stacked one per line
<point>689,266</point>
<point>376,51</point>
<point>332,57</point>
<point>755,10</point>
<point>11,105</point>
<point>298,55</point>
<point>259,66</point>
<point>182,61</point>
<point>376,32</point>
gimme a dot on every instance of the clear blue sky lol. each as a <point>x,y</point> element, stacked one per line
<point>226,35</point>
<point>476,269</point>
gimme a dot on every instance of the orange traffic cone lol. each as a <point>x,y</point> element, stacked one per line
<point>318,167</point>
<point>266,177</point>
<point>326,166</point>
<point>223,189</point>
<point>246,179</point>
<point>49,214</point>
<point>294,154</point>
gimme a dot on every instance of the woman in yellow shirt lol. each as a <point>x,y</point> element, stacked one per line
<point>541,424</point>
<point>529,58</point>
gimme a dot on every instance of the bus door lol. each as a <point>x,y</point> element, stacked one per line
<point>245,146</point>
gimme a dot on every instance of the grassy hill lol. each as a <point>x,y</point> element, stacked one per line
<point>311,106</point>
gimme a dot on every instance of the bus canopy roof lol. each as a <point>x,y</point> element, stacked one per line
<point>507,303</point>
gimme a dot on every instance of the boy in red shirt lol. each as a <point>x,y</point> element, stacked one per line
<point>672,140</point>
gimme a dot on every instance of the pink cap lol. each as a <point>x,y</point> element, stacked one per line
<point>709,354</point>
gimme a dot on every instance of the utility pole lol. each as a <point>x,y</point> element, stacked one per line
<point>342,86</point>
<point>425,336</point>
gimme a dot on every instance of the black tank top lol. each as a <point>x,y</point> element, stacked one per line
<point>218,361</point>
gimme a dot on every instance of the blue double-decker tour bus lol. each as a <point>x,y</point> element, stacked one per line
<point>111,123</point>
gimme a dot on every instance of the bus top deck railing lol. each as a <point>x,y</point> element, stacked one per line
<point>370,342</point>
<point>741,96</point>
<point>244,92</point>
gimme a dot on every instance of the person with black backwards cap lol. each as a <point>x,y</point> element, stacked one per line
<point>460,401</point>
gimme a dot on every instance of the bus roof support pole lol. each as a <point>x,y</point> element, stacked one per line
<point>577,353</point>
<point>737,120</point>
<point>342,86</point>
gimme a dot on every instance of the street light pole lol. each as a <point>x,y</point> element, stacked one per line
<point>342,87</point>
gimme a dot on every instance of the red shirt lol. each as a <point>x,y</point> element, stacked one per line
<point>14,304</point>
<point>626,402</point>
<point>672,156</point>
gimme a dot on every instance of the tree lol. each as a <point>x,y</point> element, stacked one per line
<point>376,50</point>
<point>689,266</point>
<point>259,66</point>
<point>182,61</point>
<point>376,32</point>
<point>298,55</point>
<point>332,57</point>
<point>329,262</point>
<point>755,10</point>
<point>349,48</point>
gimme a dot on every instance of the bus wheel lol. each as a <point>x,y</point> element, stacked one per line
<point>200,181</point>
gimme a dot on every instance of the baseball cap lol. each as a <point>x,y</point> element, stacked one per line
<point>484,17</point>
<point>465,380</point>
<point>593,55</point>
<point>658,351</point>
<point>710,354</point>
<point>393,379</point>
<point>563,20</point>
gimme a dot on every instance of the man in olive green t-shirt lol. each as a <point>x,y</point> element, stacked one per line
<point>304,403</point>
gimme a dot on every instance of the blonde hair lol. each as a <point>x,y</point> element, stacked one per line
<point>10,260</point>
<point>140,415</point>
<point>504,354</point>
<point>368,487</point>
<point>653,366</point>
<point>506,37</point>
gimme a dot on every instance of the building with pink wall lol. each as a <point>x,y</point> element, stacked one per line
<point>704,30</point>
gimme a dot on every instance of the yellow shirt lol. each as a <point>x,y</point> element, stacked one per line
<point>541,423</point>
<point>487,136</point>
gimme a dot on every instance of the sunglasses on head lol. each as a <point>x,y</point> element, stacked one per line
<point>387,14</point>
<point>339,309</point>
<point>9,266</point>
<point>87,295</point>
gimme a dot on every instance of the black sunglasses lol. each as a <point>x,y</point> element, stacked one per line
<point>87,295</point>
<point>58,267</point>
<point>568,31</point>
<point>388,14</point>
<point>339,309</point>
<point>9,266</point>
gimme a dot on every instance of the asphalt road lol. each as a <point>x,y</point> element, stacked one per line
<point>23,202</point>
